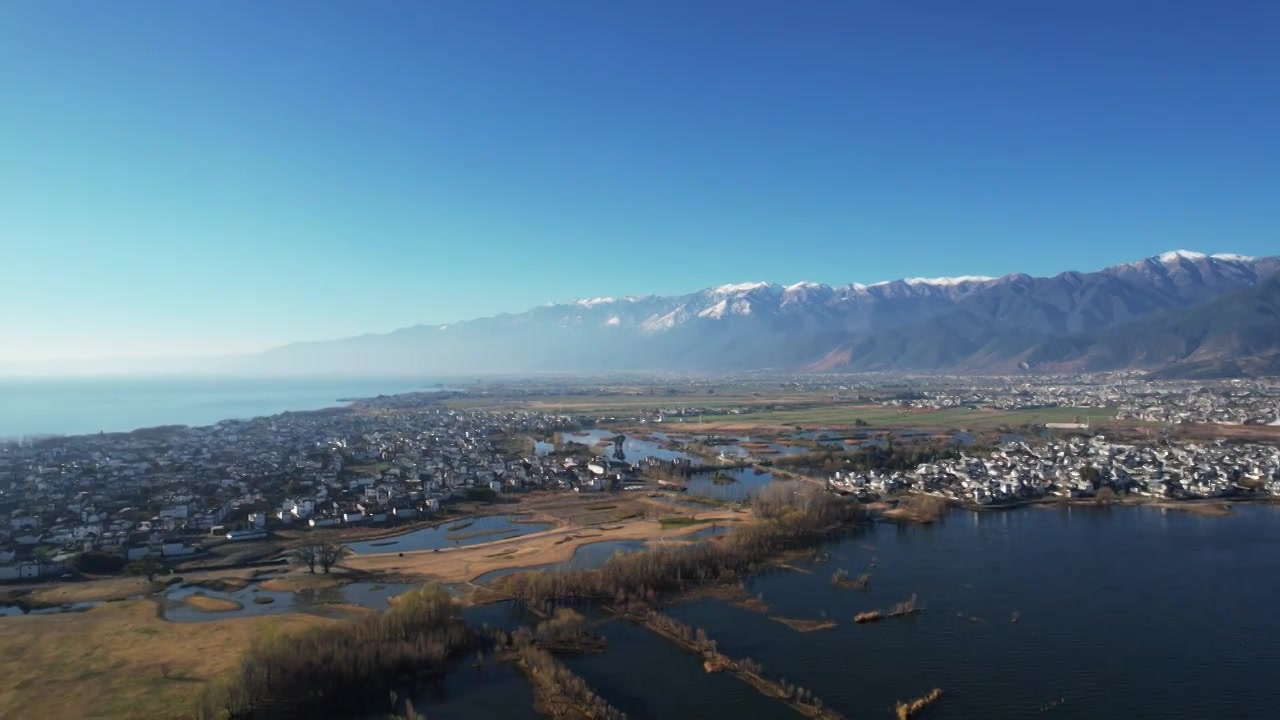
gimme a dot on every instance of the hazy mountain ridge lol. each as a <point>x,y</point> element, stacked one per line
<point>970,323</point>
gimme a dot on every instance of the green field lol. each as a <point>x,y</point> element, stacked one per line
<point>811,410</point>
<point>628,404</point>
<point>679,521</point>
<point>881,416</point>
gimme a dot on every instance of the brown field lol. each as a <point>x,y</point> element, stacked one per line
<point>120,660</point>
<point>100,590</point>
<point>205,603</point>
<point>845,416</point>
<point>623,403</point>
<point>303,580</point>
<point>457,565</point>
<point>1250,433</point>
<point>123,588</point>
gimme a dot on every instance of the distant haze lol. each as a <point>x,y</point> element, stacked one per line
<point>1182,312</point>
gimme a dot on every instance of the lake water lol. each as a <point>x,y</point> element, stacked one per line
<point>1122,613</point>
<point>747,482</point>
<point>255,601</point>
<point>89,405</point>
<point>451,534</point>
<point>585,557</point>
<point>634,448</point>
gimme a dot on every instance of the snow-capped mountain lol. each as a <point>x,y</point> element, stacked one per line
<point>913,323</point>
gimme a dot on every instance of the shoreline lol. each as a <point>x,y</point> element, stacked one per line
<point>1193,505</point>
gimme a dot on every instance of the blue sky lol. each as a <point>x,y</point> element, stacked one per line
<point>195,177</point>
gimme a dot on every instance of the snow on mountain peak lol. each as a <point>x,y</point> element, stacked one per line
<point>738,288</point>
<point>716,311</point>
<point>664,322</point>
<point>940,282</point>
<point>1181,255</point>
<point>804,285</point>
<point>1173,256</point>
<point>594,301</point>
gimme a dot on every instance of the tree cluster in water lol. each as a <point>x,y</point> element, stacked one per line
<point>698,641</point>
<point>679,469</point>
<point>567,631</point>
<point>559,692</point>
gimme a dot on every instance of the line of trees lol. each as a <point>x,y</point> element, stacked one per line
<point>747,669</point>
<point>558,692</point>
<point>322,554</point>
<point>791,518</point>
<point>889,457</point>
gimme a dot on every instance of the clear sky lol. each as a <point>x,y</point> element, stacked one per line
<point>195,177</point>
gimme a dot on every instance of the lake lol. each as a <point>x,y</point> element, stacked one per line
<point>71,406</point>
<point>1121,613</point>
<point>746,482</point>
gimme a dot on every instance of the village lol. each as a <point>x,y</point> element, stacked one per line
<point>172,492</point>
<point>1119,396</point>
<point>1080,467</point>
<point>177,492</point>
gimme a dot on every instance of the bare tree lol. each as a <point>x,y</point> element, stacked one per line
<point>329,553</point>
<point>309,555</point>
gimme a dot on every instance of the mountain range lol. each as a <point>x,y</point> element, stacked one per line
<point>1180,314</point>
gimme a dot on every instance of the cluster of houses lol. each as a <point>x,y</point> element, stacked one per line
<point>1100,396</point>
<point>1082,467</point>
<point>175,491</point>
<point>1122,396</point>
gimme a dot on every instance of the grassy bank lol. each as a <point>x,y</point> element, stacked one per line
<point>121,660</point>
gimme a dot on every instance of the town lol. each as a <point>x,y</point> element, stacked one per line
<point>160,491</point>
<point>1085,468</point>
<point>176,491</point>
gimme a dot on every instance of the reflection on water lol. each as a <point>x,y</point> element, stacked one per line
<point>375,596</point>
<point>634,448</point>
<point>645,677</point>
<point>493,691</point>
<point>461,532</point>
<point>1127,612</point>
<point>585,557</point>
<point>254,601</point>
<point>746,482</point>
<point>1120,613</point>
